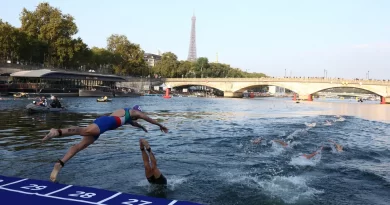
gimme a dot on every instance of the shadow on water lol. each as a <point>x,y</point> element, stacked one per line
<point>209,155</point>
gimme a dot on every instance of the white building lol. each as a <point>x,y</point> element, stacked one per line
<point>152,59</point>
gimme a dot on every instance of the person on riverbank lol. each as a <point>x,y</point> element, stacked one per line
<point>152,173</point>
<point>92,132</point>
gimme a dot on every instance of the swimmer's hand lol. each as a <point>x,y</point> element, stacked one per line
<point>163,129</point>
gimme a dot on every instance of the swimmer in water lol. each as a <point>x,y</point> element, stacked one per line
<point>92,132</point>
<point>339,148</point>
<point>152,173</point>
<point>284,144</point>
<point>257,141</point>
<point>327,122</point>
<point>309,156</point>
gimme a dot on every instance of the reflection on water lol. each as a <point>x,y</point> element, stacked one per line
<point>209,147</point>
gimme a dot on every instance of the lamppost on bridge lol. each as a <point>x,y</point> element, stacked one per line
<point>285,70</point>
<point>368,75</point>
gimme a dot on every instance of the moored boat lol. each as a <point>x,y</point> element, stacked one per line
<point>21,95</point>
<point>104,99</point>
<point>38,108</point>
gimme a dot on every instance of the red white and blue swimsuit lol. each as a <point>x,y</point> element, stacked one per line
<point>106,123</point>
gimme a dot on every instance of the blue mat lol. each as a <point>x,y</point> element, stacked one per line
<point>28,191</point>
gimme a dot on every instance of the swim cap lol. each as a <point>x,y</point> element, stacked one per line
<point>137,107</point>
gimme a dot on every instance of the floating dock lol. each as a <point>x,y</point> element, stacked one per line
<point>29,191</point>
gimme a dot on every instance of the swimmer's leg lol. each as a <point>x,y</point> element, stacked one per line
<point>90,130</point>
<point>145,158</point>
<point>87,140</point>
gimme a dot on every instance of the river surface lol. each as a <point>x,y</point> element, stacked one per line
<point>208,155</point>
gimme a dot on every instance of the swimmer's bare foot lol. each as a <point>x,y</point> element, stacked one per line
<point>53,133</point>
<point>56,170</point>
<point>141,146</point>
<point>145,143</point>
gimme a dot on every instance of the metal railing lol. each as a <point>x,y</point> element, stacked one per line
<point>302,80</point>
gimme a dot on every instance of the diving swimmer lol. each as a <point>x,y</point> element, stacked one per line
<point>152,173</point>
<point>92,132</point>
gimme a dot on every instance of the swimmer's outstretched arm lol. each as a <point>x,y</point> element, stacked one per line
<point>152,121</point>
<point>281,142</point>
<point>135,124</point>
<point>312,154</point>
<point>338,147</point>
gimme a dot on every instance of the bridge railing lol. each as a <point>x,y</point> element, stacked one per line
<point>303,80</point>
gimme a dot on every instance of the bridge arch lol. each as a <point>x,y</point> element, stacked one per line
<point>182,84</point>
<point>242,88</point>
<point>369,88</point>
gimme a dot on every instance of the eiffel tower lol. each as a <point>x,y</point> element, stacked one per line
<point>192,49</point>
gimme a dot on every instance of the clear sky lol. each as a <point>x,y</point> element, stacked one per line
<point>348,38</point>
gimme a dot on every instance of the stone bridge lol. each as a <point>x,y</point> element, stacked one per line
<point>303,87</point>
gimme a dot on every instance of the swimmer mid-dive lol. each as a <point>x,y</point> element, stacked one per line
<point>339,148</point>
<point>92,132</point>
<point>309,156</point>
<point>152,173</point>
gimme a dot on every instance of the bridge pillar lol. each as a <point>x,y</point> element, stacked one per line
<point>385,100</point>
<point>295,97</point>
<point>229,94</point>
<point>305,97</point>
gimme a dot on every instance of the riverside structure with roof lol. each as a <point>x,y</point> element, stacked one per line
<point>62,83</point>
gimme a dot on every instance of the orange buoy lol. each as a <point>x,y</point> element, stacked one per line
<point>167,93</point>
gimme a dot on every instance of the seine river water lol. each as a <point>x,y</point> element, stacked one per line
<point>208,155</point>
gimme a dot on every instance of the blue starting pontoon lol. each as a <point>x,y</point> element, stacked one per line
<point>28,191</point>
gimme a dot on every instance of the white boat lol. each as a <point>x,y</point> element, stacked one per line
<point>103,100</point>
<point>38,108</point>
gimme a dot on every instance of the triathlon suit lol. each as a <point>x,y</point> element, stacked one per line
<point>106,123</point>
<point>161,180</point>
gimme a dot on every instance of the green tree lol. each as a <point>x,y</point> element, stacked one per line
<point>129,56</point>
<point>168,66</point>
<point>185,68</point>
<point>50,26</point>
<point>80,56</point>
<point>103,60</point>
<point>202,66</point>
<point>9,44</point>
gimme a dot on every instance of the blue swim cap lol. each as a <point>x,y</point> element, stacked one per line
<point>137,107</point>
